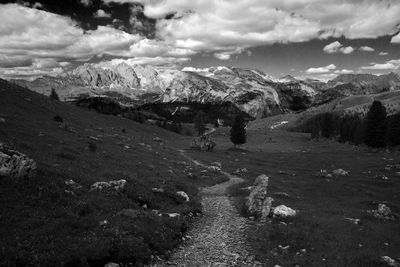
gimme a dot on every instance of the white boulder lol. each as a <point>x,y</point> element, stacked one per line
<point>183,195</point>
<point>284,211</point>
<point>340,172</point>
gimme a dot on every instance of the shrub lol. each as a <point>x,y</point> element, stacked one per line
<point>92,146</point>
<point>238,131</point>
<point>58,118</point>
<point>199,123</point>
<point>375,125</point>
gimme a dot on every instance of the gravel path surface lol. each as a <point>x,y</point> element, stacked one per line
<point>218,238</point>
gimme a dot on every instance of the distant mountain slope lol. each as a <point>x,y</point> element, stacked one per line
<point>252,91</point>
<point>367,83</point>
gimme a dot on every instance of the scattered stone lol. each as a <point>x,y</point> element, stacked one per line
<point>183,195</point>
<point>158,139</point>
<point>214,168</point>
<point>173,215</point>
<point>216,164</point>
<point>15,165</point>
<point>353,220</point>
<point>2,120</point>
<point>284,211</point>
<point>93,138</point>
<point>103,223</point>
<point>340,172</point>
<point>111,264</point>
<point>383,212</point>
<point>117,185</point>
<point>381,177</point>
<point>157,190</point>
<point>72,184</point>
<point>322,173</point>
<point>284,247</point>
<point>258,203</point>
<point>239,171</point>
<point>389,261</point>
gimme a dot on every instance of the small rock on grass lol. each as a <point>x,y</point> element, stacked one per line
<point>117,185</point>
<point>284,211</point>
<point>389,261</point>
<point>111,264</point>
<point>183,195</point>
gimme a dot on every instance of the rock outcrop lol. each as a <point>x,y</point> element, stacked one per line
<point>203,143</point>
<point>258,203</point>
<point>15,165</point>
<point>115,185</point>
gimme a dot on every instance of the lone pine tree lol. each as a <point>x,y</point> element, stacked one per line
<point>54,95</point>
<point>238,131</point>
<point>375,125</point>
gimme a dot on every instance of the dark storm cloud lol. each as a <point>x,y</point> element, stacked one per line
<point>85,13</point>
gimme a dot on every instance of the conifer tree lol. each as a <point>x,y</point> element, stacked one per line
<point>375,125</point>
<point>238,131</point>
<point>393,131</point>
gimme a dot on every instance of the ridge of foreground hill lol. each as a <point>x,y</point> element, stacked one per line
<point>46,222</point>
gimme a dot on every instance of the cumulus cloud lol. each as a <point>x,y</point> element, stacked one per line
<point>86,2</point>
<point>202,24</point>
<point>343,71</point>
<point>337,47</point>
<point>383,53</point>
<point>388,65</point>
<point>366,49</point>
<point>396,39</point>
<point>101,14</point>
<point>155,61</point>
<point>320,70</point>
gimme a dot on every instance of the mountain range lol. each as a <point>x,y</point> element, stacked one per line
<point>249,91</point>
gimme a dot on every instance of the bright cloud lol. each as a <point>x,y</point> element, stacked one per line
<point>337,47</point>
<point>383,53</point>
<point>101,14</point>
<point>396,39</point>
<point>321,70</point>
<point>388,65</point>
<point>366,49</point>
<point>86,2</point>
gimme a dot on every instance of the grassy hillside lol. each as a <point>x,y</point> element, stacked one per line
<point>46,222</point>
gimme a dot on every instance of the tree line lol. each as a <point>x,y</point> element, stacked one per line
<point>376,129</point>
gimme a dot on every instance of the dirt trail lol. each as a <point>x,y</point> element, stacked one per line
<point>216,239</point>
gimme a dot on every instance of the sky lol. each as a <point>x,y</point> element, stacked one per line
<point>304,38</point>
